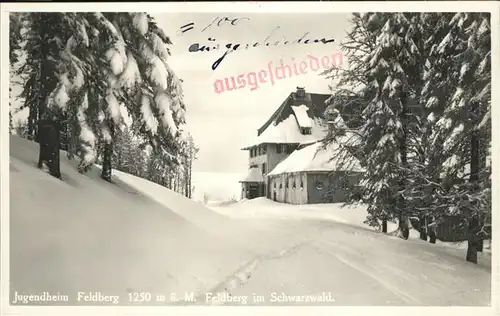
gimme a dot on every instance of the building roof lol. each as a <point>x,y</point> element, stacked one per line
<point>314,101</point>
<point>283,125</point>
<point>254,175</point>
<point>288,132</point>
<point>314,158</point>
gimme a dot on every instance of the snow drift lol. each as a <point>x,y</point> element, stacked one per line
<point>84,234</point>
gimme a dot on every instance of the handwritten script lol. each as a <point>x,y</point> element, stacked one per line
<point>273,39</point>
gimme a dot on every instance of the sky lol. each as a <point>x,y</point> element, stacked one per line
<point>222,123</point>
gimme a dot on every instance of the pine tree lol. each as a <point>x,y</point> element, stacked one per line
<point>384,69</point>
<point>80,67</point>
<point>15,38</point>
<point>190,157</point>
<point>346,106</point>
<point>50,81</point>
<point>418,103</point>
<point>153,93</point>
<point>462,134</point>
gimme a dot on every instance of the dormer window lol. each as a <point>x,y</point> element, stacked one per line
<point>282,148</point>
<point>305,130</point>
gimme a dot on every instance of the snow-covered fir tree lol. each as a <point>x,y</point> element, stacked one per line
<point>382,69</point>
<point>190,157</point>
<point>50,79</point>
<point>458,97</point>
<point>419,87</point>
<point>101,66</point>
<point>15,39</point>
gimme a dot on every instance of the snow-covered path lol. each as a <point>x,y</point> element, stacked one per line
<point>85,235</point>
<point>361,267</point>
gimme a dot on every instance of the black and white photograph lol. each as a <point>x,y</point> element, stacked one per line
<point>164,155</point>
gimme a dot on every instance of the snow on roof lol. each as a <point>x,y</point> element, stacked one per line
<point>313,158</point>
<point>288,132</point>
<point>301,114</point>
<point>254,175</point>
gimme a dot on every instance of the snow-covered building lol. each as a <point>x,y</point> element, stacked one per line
<point>284,162</point>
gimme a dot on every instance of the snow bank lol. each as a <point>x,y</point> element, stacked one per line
<point>265,208</point>
<point>85,234</point>
<point>355,215</point>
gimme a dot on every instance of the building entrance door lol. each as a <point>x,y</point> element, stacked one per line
<point>253,191</point>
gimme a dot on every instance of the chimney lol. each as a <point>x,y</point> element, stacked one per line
<point>301,92</point>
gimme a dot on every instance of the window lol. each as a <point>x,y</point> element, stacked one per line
<point>264,149</point>
<point>281,185</point>
<point>264,166</point>
<point>319,185</point>
<point>278,148</point>
<point>305,130</point>
<point>259,150</point>
<point>301,183</point>
<point>293,183</point>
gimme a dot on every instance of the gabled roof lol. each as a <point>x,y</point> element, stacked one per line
<point>314,101</point>
<point>288,132</point>
<point>283,125</point>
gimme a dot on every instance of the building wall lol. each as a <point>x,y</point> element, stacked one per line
<point>332,189</point>
<point>257,160</point>
<point>289,188</point>
<point>273,157</point>
<point>310,193</point>
<point>251,190</point>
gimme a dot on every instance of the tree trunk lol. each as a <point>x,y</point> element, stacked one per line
<point>403,221</point>
<point>49,146</point>
<point>432,235</point>
<point>423,228</point>
<point>384,226</point>
<point>190,187</point>
<point>106,161</point>
<point>108,154</point>
<point>404,231</point>
<point>32,120</point>
<point>474,225</point>
<point>473,241</point>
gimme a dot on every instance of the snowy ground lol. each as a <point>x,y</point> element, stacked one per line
<point>83,234</point>
<point>352,215</point>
